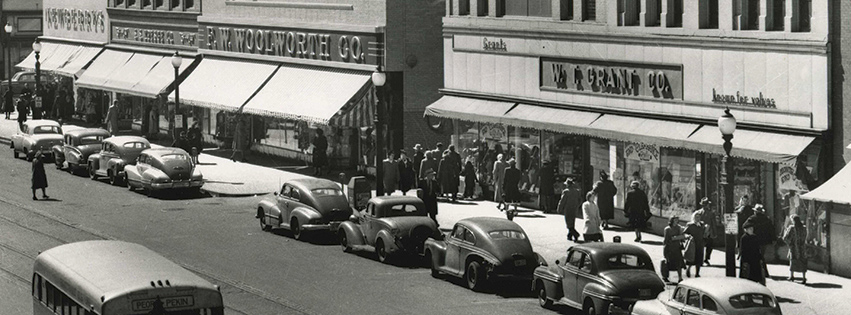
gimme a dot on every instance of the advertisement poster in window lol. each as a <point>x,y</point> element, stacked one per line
<point>641,161</point>
<point>678,183</point>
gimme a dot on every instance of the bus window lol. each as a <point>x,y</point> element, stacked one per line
<point>36,286</point>
<point>50,304</point>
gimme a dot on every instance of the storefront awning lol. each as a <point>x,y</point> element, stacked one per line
<point>749,144</point>
<point>223,84</point>
<point>159,78</point>
<point>644,130</point>
<point>64,59</point>
<point>835,190</point>
<point>308,94</point>
<point>552,119</point>
<point>102,68</point>
<point>469,109</point>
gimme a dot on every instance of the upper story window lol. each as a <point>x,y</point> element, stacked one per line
<point>628,12</point>
<point>675,13</point>
<point>169,5</point>
<point>589,10</point>
<point>805,11</point>
<point>540,8</point>
<point>708,14</point>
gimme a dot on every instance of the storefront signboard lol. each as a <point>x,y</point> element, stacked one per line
<point>613,78</point>
<point>641,152</point>
<point>291,43</point>
<point>155,36</point>
<point>75,19</point>
<point>741,99</point>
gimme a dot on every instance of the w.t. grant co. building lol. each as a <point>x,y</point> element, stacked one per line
<point>634,88</point>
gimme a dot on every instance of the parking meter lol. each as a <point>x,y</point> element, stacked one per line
<point>358,192</point>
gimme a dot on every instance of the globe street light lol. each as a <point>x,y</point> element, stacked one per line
<point>176,60</point>
<point>8,28</point>
<point>378,79</point>
<point>727,126</point>
<point>37,50</point>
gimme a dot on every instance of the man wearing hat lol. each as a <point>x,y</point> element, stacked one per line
<point>546,183</point>
<point>763,228</point>
<point>419,155</point>
<point>606,191</point>
<point>569,205</point>
<point>712,221</point>
<point>637,209</point>
<point>430,190</point>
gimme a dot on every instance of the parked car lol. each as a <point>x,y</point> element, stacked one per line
<point>36,135</point>
<point>115,153</point>
<point>712,296</point>
<point>19,80</point>
<point>163,168</point>
<point>78,145</point>
<point>483,249</point>
<point>389,225</point>
<point>599,278</point>
<point>304,205</point>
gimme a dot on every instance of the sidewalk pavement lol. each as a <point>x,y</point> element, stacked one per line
<point>823,294</point>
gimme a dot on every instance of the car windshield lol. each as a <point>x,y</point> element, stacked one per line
<point>137,145</point>
<point>628,261</point>
<point>507,234</point>
<point>171,157</point>
<point>402,210</point>
<point>91,140</point>
<point>752,300</point>
<point>46,130</point>
<point>327,192</point>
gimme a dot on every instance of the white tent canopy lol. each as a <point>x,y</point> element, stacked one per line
<point>836,190</point>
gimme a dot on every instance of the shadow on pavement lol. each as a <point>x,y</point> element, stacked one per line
<point>49,199</point>
<point>781,299</point>
<point>173,195</point>
<point>821,285</point>
<point>502,288</point>
<point>520,215</point>
<point>653,243</point>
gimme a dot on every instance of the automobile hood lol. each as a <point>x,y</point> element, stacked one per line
<point>408,223</point>
<point>46,137</point>
<point>629,281</point>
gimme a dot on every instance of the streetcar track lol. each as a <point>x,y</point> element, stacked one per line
<point>233,283</point>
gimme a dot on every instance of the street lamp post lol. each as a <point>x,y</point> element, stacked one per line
<point>378,79</point>
<point>176,60</point>
<point>37,98</point>
<point>8,70</point>
<point>727,126</point>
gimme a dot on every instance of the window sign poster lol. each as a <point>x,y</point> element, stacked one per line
<point>731,223</point>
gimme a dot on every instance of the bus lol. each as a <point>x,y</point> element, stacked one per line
<point>114,277</point>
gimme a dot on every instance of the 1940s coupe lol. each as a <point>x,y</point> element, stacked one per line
<point>79,144</point>
<point>712,296</point>
<point>388,225</point>
<point>303,205</point>
<point>115,153</point>
<point>599,278</point>
<point>482,249</point>
<point>36,135</point>
<point>163,168</point>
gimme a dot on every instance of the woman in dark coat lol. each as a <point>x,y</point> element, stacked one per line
<point>637,209</point>
<point>606,192</point>
<point>696,229</point>
<point>447,176</point>
<point>671,248</point>
<point>320,155</point>
<point>407,175</point>
<point>569,205</point>
<point>750,256</point>
<point>8,103</point>
<point>469,174</point>
<point>511,182</point>
<point>39,179</point>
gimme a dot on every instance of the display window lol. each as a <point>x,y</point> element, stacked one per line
<point>678,183</point>
<point>525,143</point>
<point>640,164</point>
<point>567,154</point>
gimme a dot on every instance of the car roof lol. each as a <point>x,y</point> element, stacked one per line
<point>119,140</point>
<point>395,200</point>
<point>310,183</point>
<point>41,122</point>
<point>163,151</point>
<point>722,288</point>
<point>88,132</point>
<point>607,248</point>
<point>488,224</point>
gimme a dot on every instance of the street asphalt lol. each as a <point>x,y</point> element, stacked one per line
<point>823,293</point>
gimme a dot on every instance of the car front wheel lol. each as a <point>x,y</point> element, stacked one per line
<point>298,234</point>
<point>14,153</point>
<point>58,163</point>
<point>543,301</point>
<point>381,250</point>
<point>428,260</point>
<point>344,242</point>
<point>263,225</point>
<point>475,276</point>
<point>92,173</point>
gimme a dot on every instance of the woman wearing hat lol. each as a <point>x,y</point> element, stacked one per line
<point>637,209</point>
<point>606,192</point>
<point>796,237</point>
<point>568,205</point>
<point>711,221</point>
<point>750,256</point>
<point>591,214</point>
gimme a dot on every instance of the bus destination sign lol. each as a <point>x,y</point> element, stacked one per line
<point>167,303</point>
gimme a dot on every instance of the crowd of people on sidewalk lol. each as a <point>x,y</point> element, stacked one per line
<point>57,103</point>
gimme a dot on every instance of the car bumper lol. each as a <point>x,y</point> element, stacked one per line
<point>177,184</point>
<point>332,226</point>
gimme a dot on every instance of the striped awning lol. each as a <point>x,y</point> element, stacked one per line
<point>359,113</point>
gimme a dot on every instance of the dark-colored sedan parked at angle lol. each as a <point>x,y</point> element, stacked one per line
<point>304,205</point>
<point>482,249</point>
<point>389,225</point>
<point>163,168</point>
<point>79,144</point>
<point>599,278</point>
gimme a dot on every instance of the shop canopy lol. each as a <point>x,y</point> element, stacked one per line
<point>750,144</point>
<point>60,58</point>
<point>223,84</point>
<point>142,74</point>
<point>102,68</point>
<point>834,190</point>
<point>310,94</point>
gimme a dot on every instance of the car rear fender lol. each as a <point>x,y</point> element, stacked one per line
<point>58,152</point>
<point>269,208</point>
<point>598,293</point>
<point>306,215</point>
<point>389,240</point>
<point>550,280</point>
<point>437,249</point>
<point>354,235</point>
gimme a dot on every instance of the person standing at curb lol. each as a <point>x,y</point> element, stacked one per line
<point>407,175</point>
<point>796,237</point>
<point>498,175</point>
<point>568,205</point>
<point>320,148</point>
<point>694,250</point>
<point>764,231</point>
<point>591,214</point>
<point>419,156</point>
<point>469,174</point>
<point>750,256</point>
<point>547,182</point>
<point>39,177</point>
<point>391,173</point>
<point>8,103</point>
<point>672,249</point>
<point>112,118</point>
<point>23,110</point>
<point>430,190</point>
<point>637,209</point>
<point>606,191</point>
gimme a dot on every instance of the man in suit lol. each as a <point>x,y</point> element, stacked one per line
<point>430,190</point>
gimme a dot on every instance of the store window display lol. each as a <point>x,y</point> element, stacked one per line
<point>678,177</point>
<point>566,154</point>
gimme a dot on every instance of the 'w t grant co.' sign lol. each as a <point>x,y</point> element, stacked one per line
<point>616,78</point>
